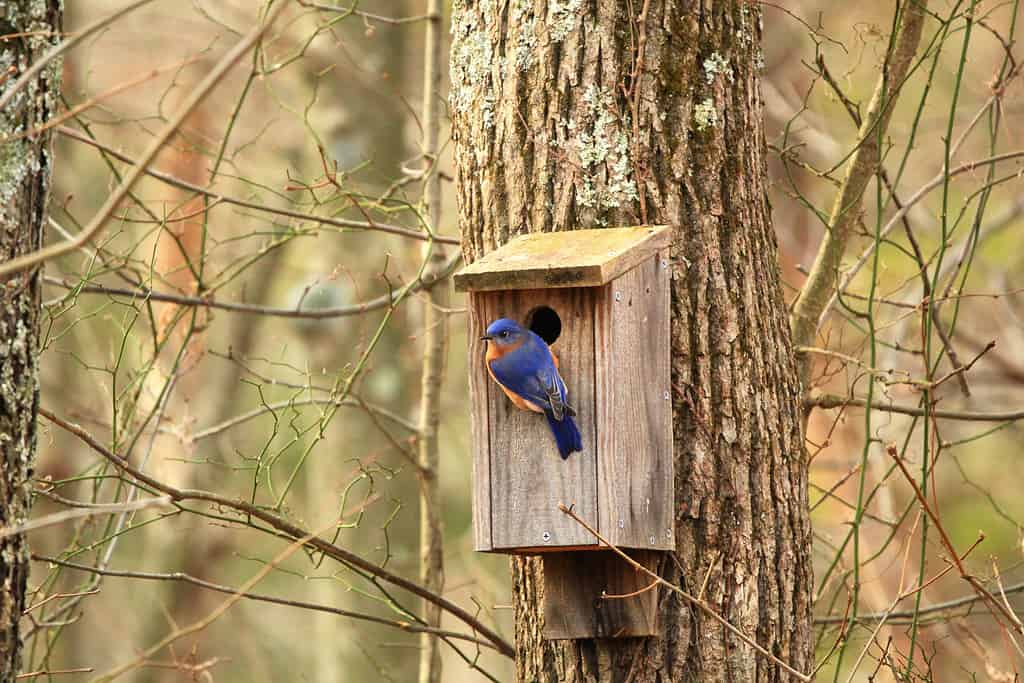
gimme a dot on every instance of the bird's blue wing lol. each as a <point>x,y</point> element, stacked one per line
<point>530,372</point>
<point>523,377</point>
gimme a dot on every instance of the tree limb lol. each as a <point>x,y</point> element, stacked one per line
<point>255,206</point>
<point>824,274</point>
<point>259,597</point>
<point>435,348</point>
<point>218,72</point>
<point>821,400</point>
<point>287,528</point>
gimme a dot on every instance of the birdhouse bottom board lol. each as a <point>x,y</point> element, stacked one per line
<point>612,346</point>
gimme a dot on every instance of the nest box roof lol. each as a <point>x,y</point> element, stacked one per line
<point>576,258</point>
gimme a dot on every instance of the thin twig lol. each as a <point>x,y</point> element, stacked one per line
<point>861,167</point>
<point>209,585</point>
<point>428,281</point>
<point>938,608</point>
<point>255,206</point>
<point>397,21</point>
<point>64,46</point>
<point>54,672</point>
<point>707,576</point>
<point>633,594</point>
<point>93,101</point>
<point>848,359</point>
<point>927,294</point>
<point>895,219</point>
<point>351,402</point>
<point>822,400</point>
<point>986,596</point>
<point>91,511</point>
<point>218,72</point>
<point>60,596</point>
<point>284,526</point>
<point>201,624</point>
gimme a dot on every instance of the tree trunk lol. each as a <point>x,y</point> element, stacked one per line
<point>435,351</point>
<point>25,166</point>
<point>570,114</point>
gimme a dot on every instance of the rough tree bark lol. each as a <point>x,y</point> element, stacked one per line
<point>25,166</point>
<point>570,114</point>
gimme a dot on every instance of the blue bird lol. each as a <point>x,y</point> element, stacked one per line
<point>527,371</point>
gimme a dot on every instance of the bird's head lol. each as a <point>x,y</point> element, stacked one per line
<point>504,332</point>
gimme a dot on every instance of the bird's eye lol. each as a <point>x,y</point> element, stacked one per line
<point>504,333</point>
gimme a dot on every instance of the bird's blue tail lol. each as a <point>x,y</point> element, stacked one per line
<point>567,436</point>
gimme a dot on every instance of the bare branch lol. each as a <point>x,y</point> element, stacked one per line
<point>259,597</point>
<point>426,282</point>
<point>859,170</point>
<point>935,182</point>
<point>218,72</point>
<point>939,608</point>
<point>351,402</point>
<point>54,672</point>
<point>435,351</point>
<point>256,206</point>
<point>329,549</point>
<point>63,47</point>
<point>67,515</point>
<point>367,15</point>
<point>201,624</point>
<point>986,597</point>
<point>822,400</point>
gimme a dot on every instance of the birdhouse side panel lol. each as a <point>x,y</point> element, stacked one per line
<point>479,425</point>
<point>634,410</point>
<point>528,478</point>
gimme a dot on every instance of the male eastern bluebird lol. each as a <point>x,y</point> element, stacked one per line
<point>527,371</point>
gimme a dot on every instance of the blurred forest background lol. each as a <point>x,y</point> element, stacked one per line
<point>316,415</point>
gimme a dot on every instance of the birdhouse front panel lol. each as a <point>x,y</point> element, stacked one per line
<point>600,300</point>
<point>528,478</point>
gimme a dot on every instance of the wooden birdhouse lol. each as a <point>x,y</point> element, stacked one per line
<point>600,299</point>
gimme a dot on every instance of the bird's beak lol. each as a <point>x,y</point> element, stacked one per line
<point>486,337</point>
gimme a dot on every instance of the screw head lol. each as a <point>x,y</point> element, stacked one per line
<point>667,396</point>
<point>622,524</point>
<point>618,296</point>
<point>652,540</point>
<point>546,536</point>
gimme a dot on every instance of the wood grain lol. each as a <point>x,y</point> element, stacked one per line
<point>479,425</point>
<point>574,584</point>
<point>528,478</point>
<point>581,258</point>
<point>634,413</point>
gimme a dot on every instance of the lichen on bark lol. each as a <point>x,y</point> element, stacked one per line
<point>25,169</point>
<point>741,517</point>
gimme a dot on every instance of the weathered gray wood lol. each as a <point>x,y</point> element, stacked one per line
<point>634,413</point>
<point>479,425</point>
<point>581,258</point>
<point>528,478</point>
<point>574,584</point>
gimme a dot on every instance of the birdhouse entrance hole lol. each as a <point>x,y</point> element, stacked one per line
<point>545,323</point>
